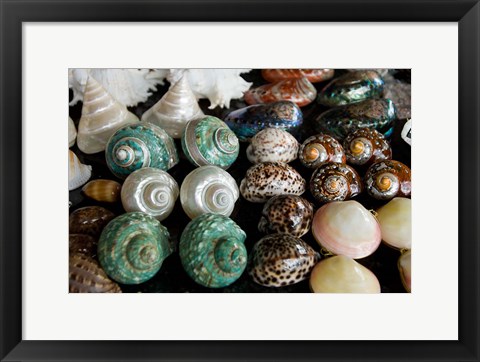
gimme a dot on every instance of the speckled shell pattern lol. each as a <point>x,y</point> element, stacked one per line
<point>352,87</point>
<point>82,244</point>
<point>132,248</point>
<point>102,190</point>
<point>300,91</point>
<point>366,146</point>
<point>313,75</point>
<point>281,259</point>
<point>208,189</point>
<point>387,179</point>
<point>268,179</point>
<point>335,182</point>
<point>89,220</point>
<point>141,145</point>
<point>212,250</point>
<point>378,114</point>
<point>272,145</point>
<point>209,141</point>
<point>86,276</point>
<point>78,173</point>
<point>151,191</point>
<point>320,148</point>
<point>286,214</point>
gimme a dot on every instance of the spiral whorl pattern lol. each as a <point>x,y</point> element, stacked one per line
<point>366,146</point>
<point>320,148</point>
<point>387,179</point>
<point>132,248</point>
<point>212,250</point>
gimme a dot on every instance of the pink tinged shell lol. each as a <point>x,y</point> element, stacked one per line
<point>346,228</point>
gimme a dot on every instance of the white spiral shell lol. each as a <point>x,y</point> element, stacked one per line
<point>150,190</point>
<point>72,132</point>
<point>78,173</point>
<point>272,145</point>
<point>208,189</point>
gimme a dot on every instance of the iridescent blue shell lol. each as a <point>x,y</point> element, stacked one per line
<point>212,250</point>
<point>247,122</point>
<point>140,145</point>
<point>378,114</point>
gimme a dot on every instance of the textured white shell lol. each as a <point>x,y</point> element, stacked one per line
<point>346,228</point>
<point>272,145</point>
<point>395,219</point>
<point>173,111</point>
<point>208,189</point>
<point>341,274</point>
<point>72,132</point>
<point>220,86</point>
<point>150,190</point>
<point>128,86</point>
<point>78,173</point>
<point>405,268</point>
<point>102,115</point>
<point>407,132</point>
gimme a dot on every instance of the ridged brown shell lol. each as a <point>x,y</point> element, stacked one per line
<point>86,276</point>
<point>366,146</point>
<point>102,190</point>
<point>320,148</point>
<point>387,179</point>
<point>89,220</point>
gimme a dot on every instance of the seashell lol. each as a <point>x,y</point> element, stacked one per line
<point>102,190</point>
<point>208,189</point>
<point>86,276</point>
<point>220,86</point>
<point>209,141</point>
<point>299,91</point>
<point>102,115</point>
<point>372,113</point>
<point>140,145</point>
<point>247,122</point>
<point>405,268</point>
<point>212,250</point>
<point>313,75</point>
<point>335,182</point>
<point>382,71</point>
<point>132,247</point>
<point>321,148</point>
<point>387,179</point>
<point>272,145</point>
<point>286,214</point>
<point>82,244</point>
<point>395,219</point>
<point>352,87</point>
<point>89,220</point>
<point>346,228</point>
<point>268,179</point>
<point>407,132</point>
<point>401,94</point>
<point>174,109</point>
<point>366,146</point>
<point>78,173</point>
<point>281,259</point>
<point>72,132</point>
<point>151,191</point>
<point>128,86</point>
<point>341,274</point>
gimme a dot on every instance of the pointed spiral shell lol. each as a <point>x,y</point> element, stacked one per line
<point>86,276</point>
<point>208,189</point>
<point>320,148</point>
<point>132,248</point>
<point>212,250</point>
<point>151,191</point>
<point>366,146</point>
<point>272,145</point>
<point>78,173</point>
<point>387,179</point>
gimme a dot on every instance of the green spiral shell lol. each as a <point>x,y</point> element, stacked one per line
<point>212,250</point>
<point>132,247</point>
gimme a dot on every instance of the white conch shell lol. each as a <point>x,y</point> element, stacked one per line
<point>150,190</point>
<point>128,86</point>
<point>395,219</point>
<point>72,132</point>
<point>175,109</point>
<point>208,189</point>
<point>78,173</point>
<point>101,117</point>
<point>220,86</point>
<point>272,145</point>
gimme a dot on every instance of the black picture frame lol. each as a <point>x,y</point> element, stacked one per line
<point>13,13</point>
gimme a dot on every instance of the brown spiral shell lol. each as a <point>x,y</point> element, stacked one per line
<point>366,146</point>
<point>387,179</point>
<point>89,220</point>
<point>320,148</point>
<point>86,276</point>
<point>82,244</point>
<point>102,190</point>
<point>335,182</point>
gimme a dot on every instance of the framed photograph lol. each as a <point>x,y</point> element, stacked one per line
<point>329,67</point>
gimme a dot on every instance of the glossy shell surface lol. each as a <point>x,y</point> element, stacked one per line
<point>313,75</point>
<point>86,276</point>
<point>320,148</point>
<point>89,220</point>
<point>387,179</point>
<point>366,146</point>
<point>405,269</point>
<point>82,244</point>
<point>102,190</point>
<point>395,219</point>
<point>272,145</point>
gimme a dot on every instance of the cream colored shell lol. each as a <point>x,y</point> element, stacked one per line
<point>78,173</point>
<point>405,268</point>
<point>72,132</point>
<point>395,219</point>
<point>272,145</point>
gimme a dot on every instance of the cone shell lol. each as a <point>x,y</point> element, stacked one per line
<point>82,244</point>
<point>78,173</point>
<point>86,276</point>
<point>72,132</point>
<point>405,268</point>
<point>395,219</point>
<point>89,220</point>
<point>268,179</point>
<point>387,179</point>
<point>313,75</point>
<point>208,189</point>
<point>212,250</point>
<point>320,148</point>
<point>366,146</point>
<point>102,190</point>
<point>272,145</point>
<point>346,228</point>
<point>281,259</point>
<point>151,191</point>
<point>175,109</point>
<point>341,274</point>
<point>102,115</point>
